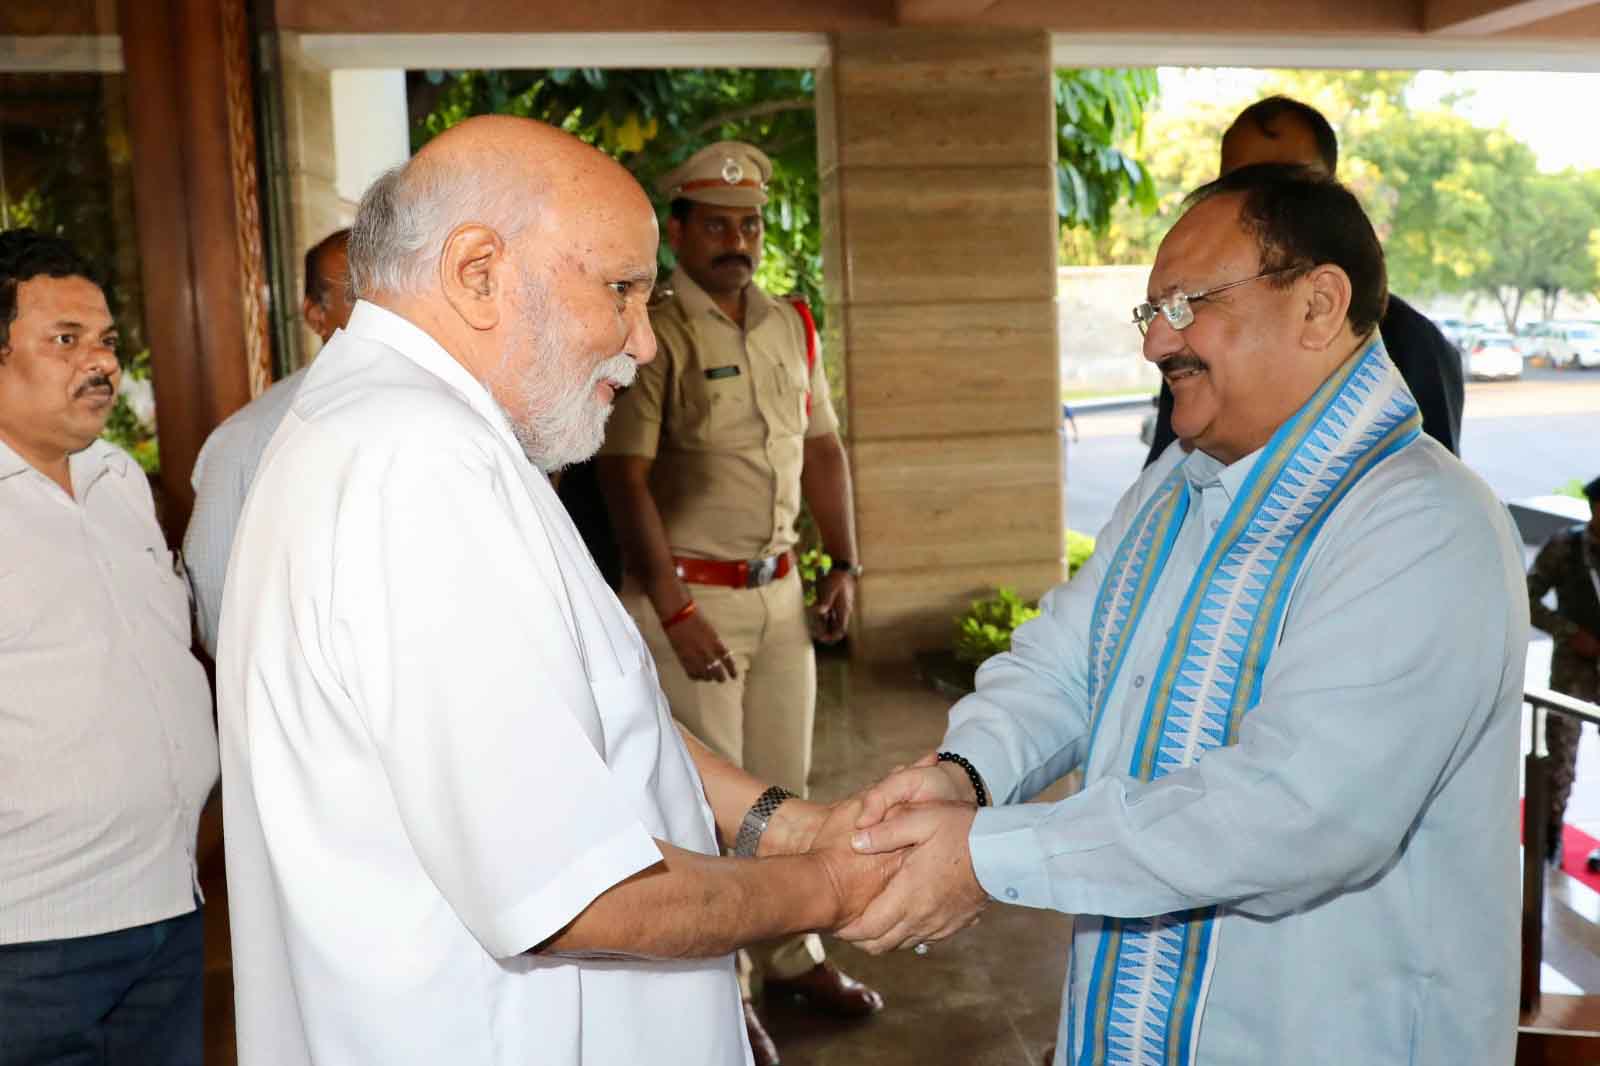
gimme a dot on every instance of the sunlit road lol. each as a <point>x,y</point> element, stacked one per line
<point>1526,438</point>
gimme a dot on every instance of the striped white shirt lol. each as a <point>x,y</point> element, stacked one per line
<point>222,475</point>
<point>107,749</point>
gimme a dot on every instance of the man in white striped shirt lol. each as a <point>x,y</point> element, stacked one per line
<point>107,749</point>
<point>227,462</point>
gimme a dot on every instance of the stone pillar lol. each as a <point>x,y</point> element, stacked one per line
<point>197,205</point>
<point>937,153</point>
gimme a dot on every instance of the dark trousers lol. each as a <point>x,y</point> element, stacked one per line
<point>128,998</point>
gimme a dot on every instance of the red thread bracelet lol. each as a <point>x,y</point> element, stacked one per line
<point>683,612</point>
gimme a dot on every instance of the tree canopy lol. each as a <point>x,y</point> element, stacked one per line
<point>1460,209</point>
<point>651,120</point>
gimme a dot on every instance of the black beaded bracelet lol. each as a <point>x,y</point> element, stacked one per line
<point>972,773</point>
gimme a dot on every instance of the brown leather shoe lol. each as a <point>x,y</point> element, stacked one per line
<point>761,1045</point>
<point>826,988</point>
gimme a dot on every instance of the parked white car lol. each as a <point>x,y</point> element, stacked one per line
<point>1574,345</point>
<point>1493,356</point>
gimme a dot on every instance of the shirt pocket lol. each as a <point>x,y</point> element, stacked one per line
<point>19,606</point>
<point>628,705</point>
<point>781,385</point>
<point>718,405</point>
<point>160,587</point>
<point>790,414</point>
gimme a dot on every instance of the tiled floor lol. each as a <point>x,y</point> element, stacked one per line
<point>990,996</point>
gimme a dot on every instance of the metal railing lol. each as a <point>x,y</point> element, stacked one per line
<point>1535,829</point>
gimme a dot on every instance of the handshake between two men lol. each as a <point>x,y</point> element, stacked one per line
<point>887,868</point>
<point>898,853</point>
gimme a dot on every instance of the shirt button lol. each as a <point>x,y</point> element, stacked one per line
<point>1011,893</point>
<point>1214,524</point>
<point>1138,682</point>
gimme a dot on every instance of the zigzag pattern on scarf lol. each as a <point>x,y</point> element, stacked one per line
<point>1123,596</point>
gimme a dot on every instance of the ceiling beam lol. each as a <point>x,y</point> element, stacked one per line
<point>1466,17</point>
<point>1370,52</point>
<point>921,12</point>
<point>533,51</point>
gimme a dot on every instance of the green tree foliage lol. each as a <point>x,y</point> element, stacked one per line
<point>1097,113</point>
<point>1460,209</point>
<point>651,120</point>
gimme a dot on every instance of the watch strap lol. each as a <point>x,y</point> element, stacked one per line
<point>756,819</point>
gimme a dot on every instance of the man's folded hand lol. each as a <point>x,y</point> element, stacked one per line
<point>857,877</point>
<point>925,781</point>
<point>934,893</point>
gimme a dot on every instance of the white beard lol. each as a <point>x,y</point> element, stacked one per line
<point>559,421</point>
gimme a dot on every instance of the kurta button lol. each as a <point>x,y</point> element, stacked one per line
<point>1214,524</point>
<point>1138,682</point>
<point>1011,893</point>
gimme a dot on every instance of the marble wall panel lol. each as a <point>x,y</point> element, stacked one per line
<point>951,370</point>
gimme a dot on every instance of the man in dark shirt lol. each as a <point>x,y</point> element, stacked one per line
<point>1569,564</point>
<point>1281,130</point>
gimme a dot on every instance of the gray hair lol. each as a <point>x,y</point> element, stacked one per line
<point>408,213</point>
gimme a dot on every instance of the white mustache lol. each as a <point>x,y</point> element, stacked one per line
<point>619,370</point>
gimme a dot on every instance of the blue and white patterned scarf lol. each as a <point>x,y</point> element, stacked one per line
<point>1147,988</point>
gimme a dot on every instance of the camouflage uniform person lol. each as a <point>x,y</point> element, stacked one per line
<point>707,459</point>
<point>1569,563</point>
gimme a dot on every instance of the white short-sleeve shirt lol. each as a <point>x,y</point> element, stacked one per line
<point>107,751</point>
<point>442,739</point>
<point>221,479</point>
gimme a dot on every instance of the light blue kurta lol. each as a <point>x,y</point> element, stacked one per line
<point>1360,839</point>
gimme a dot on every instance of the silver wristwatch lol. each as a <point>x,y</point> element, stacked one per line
<point>756,819</point>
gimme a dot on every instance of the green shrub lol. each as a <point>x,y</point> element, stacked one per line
<point>985,629</point>
<point>1573,488</point>
<point>812,563</point>
<point>1079,547</point>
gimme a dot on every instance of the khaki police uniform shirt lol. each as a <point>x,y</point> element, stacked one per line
<point>722,411</point>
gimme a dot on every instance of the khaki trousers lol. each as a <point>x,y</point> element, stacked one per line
<point>761,721</point>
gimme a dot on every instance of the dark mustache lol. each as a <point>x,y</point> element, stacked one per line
<point>96,382</point>
<point>733,257</point>
<point>1175,364</point>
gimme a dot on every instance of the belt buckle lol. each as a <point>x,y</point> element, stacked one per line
<point>761,571</point>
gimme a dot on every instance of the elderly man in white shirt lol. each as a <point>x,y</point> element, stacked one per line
<point>107,751</point>
<point>462,826</point>
<point>1292,676</point>
<point>228,460</point>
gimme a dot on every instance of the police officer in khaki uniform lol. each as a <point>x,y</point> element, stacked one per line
<point>706,461</point>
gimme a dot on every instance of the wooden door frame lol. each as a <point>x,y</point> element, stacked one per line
<point>197,211</point>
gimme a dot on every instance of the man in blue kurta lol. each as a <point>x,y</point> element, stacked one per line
<point>1291,675</point>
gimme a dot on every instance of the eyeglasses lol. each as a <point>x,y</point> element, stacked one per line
<point>1176,307</point>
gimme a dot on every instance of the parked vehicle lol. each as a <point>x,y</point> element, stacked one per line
<point>1455,330</point>
<point>1570,344</point>
<point>1493,356</point>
